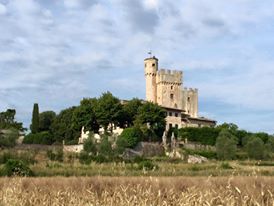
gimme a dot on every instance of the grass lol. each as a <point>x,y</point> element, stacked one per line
<point>137,191</point>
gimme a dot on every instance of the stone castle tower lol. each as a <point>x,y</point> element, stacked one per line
<point>165,87</point>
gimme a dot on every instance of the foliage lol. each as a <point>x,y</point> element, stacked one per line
<point>153,116</point>
<point>226,166</point>
<point>35,119</point>
<point>57,155</point>
<point>16,168</point>
<point>8,139</point>
<point>62,126</point>
<point>130,137</point>
<point>27,157</point>
<point>7,120</point>
<point>104,148</point>
<point>45,120</point>
<point>45,138</point>
<point>108,110</point>
<point>226,145</point>
<point>89,146</point>
<point>205,153</point>
<point>131,110</point>
<point>84,158</point>
<point>270,144</point>
<point>204,135</point>
<point>255,148</point>
<point>84,116</point>
<point>147,165</point>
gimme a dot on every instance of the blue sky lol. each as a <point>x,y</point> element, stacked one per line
<point>55,52</point>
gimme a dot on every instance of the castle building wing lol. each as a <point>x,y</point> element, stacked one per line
<point>165,87</point>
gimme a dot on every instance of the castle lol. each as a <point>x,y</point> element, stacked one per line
<point>165,87</point>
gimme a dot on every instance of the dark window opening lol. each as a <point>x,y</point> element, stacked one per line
<point>171,87</point>
<point>176,114</point>
<point>188,99</point>
<point>171,96</point>
<point>176,126</point>
<point>153,65</point>
<point>170,114</point>
<point>170,126</point>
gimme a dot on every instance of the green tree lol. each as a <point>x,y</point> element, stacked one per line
<point>84,116</point>
<point>7,120</point>
<point>270,144</point>
<point>108,110</point>
<point>226,145</point>
<point>131,110</point>
<point>35,119</point>
<point>255,148</point>
<point>45,120</point>
<point>153,116</point>
<point>62,128</point>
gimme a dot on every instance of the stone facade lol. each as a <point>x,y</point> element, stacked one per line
<point>165,87</point>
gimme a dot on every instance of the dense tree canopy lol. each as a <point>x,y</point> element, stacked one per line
<point>108,110</point>
<point>45,120</point>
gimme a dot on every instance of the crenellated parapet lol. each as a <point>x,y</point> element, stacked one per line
<point>166,76</point>
<point>191,90</point>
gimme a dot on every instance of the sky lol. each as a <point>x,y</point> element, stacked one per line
<point>56,52</point>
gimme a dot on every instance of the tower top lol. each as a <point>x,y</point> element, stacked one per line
<point>151,58</point>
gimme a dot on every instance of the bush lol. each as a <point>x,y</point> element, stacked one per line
<point>26,157</point>
<point>9,139</point>
<point>105,148</point>
<point>226,145</point>
<point>44,138</point>
<point>57,155</point>
<point>205,153</point>
<point>204,135</point>
<point>147,165</point>
<point>89,146</point>
<point>130,137</point>
<point>84,158</point>
<point>16,168</point>
<point>255,148</point>
<point>226,166</point>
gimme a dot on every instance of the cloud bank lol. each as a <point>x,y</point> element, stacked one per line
<point>57,52</point>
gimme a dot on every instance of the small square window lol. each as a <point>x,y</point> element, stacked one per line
<point>153,65</point>
<point>176,114</point>
<point>170,114</point>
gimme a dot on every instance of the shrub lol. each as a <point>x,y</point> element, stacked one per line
<point>9,139</point>
<point>44,138</point>
<point>84,158</point>
<point>57,155</point>
<point>226,166</point>
<point>105,148</point>
<point>131,136</point>
<point>147,165</point>
<point>255,148</point>
<point>16,168</point>
<point>89,146</point>
<point>226,145</point>
<point>26,157</point>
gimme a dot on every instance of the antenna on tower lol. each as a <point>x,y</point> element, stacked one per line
<point>150,53</point>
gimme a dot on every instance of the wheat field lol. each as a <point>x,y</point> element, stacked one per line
<point>141,191</point>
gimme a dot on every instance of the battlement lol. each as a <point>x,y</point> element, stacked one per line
<point>193,90</point>
<point>169,76</point>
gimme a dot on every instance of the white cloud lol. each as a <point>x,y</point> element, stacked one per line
<point>3,9</point>
<point>58,52</point>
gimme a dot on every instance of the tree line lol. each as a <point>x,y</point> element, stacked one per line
<point>107,112</point>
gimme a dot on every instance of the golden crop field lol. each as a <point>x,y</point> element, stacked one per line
<point>122,191</point>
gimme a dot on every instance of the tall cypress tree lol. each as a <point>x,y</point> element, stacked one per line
<point>35,119</point>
